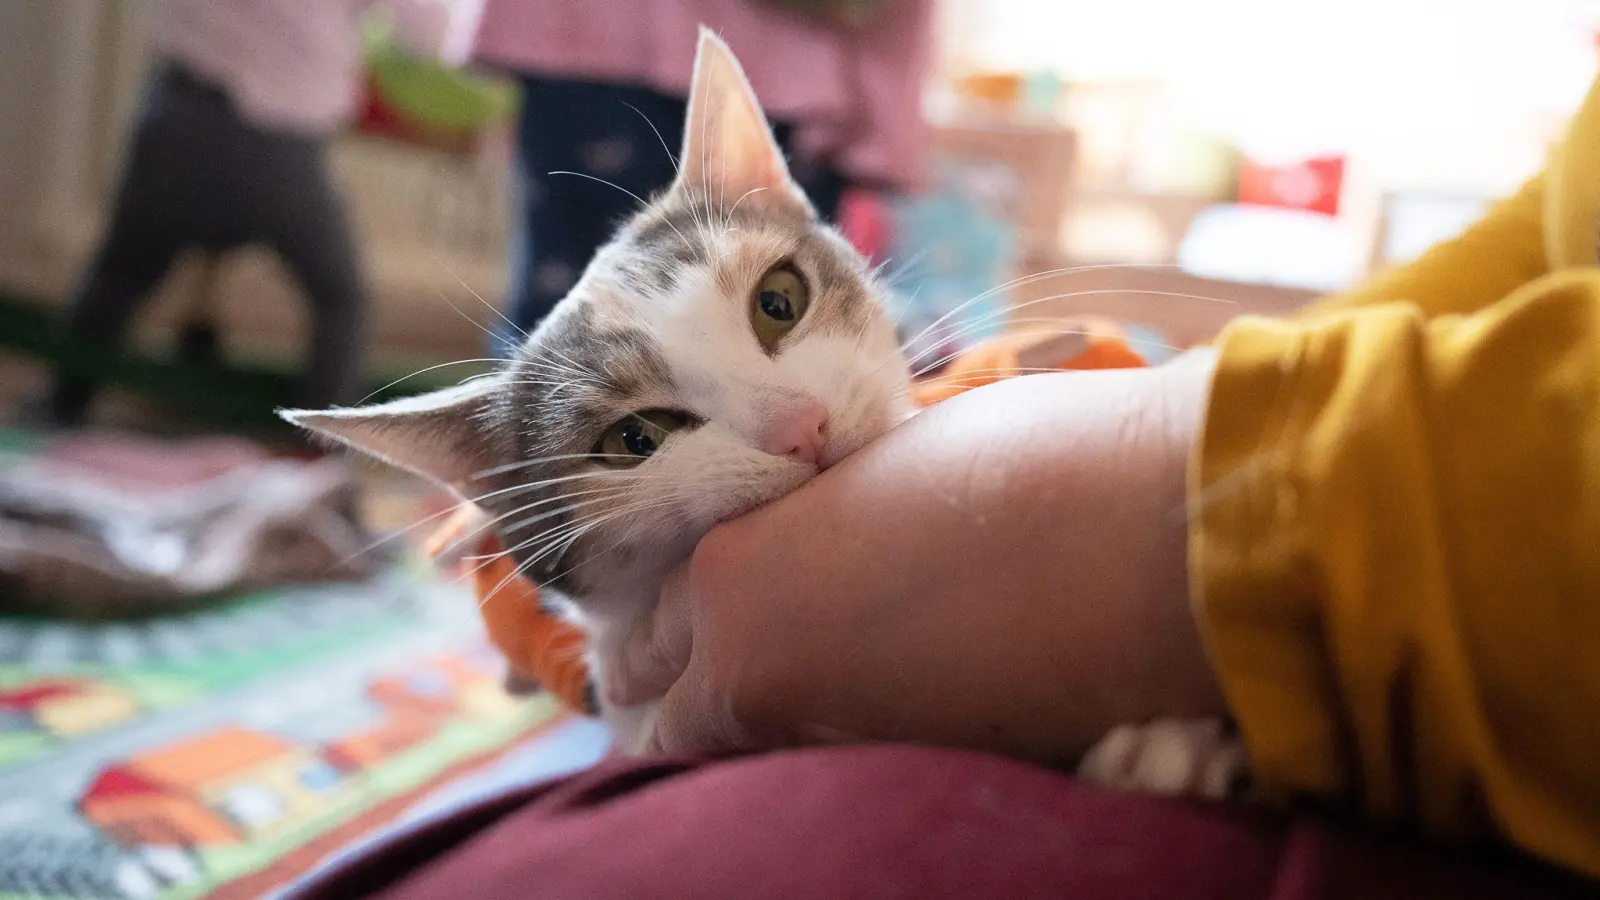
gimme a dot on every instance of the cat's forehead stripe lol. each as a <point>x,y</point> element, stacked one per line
<point>581,372</point>
<point>673,234</point>
<point>670,238</point>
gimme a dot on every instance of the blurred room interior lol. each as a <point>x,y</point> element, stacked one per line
<point>1234,147</point>
<point>1165,163</point>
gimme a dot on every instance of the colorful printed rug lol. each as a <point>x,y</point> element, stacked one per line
<point>224,752</point>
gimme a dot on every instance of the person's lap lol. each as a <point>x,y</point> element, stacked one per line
<point>887,822</point>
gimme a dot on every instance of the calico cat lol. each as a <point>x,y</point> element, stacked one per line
<point>719,352</point>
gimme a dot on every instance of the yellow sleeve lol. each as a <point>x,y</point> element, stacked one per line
<point>1396,561</point>
<point>1501,252</point>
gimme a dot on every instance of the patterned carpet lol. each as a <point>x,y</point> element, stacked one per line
<point>225,751</point>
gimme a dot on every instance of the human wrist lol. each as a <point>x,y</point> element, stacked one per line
<point>1110,457</point>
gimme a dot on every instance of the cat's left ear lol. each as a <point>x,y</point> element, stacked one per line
<point>448,436</point>
<point>729,154</point>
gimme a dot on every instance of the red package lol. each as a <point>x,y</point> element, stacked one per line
<point>1313,185</point>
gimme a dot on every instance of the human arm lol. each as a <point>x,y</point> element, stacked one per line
<point>969,579</point>
<point>1396,550</point>
<point>1394,555</point>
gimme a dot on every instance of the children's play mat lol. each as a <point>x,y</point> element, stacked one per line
<point>223,751</point>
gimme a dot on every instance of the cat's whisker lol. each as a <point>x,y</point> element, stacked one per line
<point>574,532</point>
<point>505,468</point>
<point>598,554</point>
<point>516,572</point>
<point>581,375</point>
<point>736,203</point>
<point>553,369</point>
<point>475,323</point>
<point>672,158</point>
<point>641,200</point>
<point>565,378</point>
<point>550,538</point>
<point>677,167</point>
<point>563,366</point>
<point>905,308</point>
<point>978,325</point>
<point>402,379</point>
<point>905,268</point>
<point>979,374</point>
<point>520,524</point>
<point>401,532</point>
<point>487,305</point>
<point>576,366</point>
<point>919,372</point>
<point>1032,279</point>
<point>558,529</point>
<point>1075,294</point>
<point>610,184</point>
<point>554,534</point>
<point>607,496</point>
<point>556,387</point>
<point>448,510</point>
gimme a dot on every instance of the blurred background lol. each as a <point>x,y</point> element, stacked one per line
<point>1288,147</point>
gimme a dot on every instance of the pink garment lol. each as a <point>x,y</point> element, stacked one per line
<point>856,99</point>
<point>294,65</point>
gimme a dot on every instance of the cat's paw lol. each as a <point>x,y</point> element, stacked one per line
<point>1196,758</point>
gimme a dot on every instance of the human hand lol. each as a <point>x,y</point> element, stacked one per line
<point>1006,571</point>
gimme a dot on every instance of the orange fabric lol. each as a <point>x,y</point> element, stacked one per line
<point>1105,347</point>
<point>549,650</point>
<point>537,645</point>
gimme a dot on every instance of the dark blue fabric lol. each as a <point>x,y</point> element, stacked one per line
<point>604,131</point>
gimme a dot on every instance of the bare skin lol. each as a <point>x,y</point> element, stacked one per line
<point>1007,572</point>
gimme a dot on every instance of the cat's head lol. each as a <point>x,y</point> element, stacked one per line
<point>720,351</point>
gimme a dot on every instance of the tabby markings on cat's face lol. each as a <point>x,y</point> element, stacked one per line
<point>679,395</point>
<point>718,353</point>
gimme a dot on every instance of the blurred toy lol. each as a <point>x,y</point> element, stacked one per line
<point>1077,343</point>
<point>423,102</point>
<point>952,246</point>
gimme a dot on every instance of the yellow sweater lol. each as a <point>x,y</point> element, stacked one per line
<point>1396,538</point>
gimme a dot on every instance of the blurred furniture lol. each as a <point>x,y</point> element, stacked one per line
<point>1410,222</point>
<point>1121,225</point>
<point>1039,158</point>
<point>1187,309</point>
<point>1120,229</point>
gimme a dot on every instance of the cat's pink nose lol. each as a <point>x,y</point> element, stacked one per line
<point>800,433</point>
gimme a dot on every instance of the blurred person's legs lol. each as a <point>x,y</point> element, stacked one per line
<point>588,128</point>
<point>144,236</point>
<point>200,176</point>
<point>306,224</point>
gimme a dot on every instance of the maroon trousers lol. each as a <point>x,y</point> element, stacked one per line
<point>886,823</point>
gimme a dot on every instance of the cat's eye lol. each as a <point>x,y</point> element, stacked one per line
<point>779,303</point>
<point>637,436</point>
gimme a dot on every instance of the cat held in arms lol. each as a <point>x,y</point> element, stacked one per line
<point>719,352</point>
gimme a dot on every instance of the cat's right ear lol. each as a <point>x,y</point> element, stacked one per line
<point>729,152</point>
<point>446,436</point>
